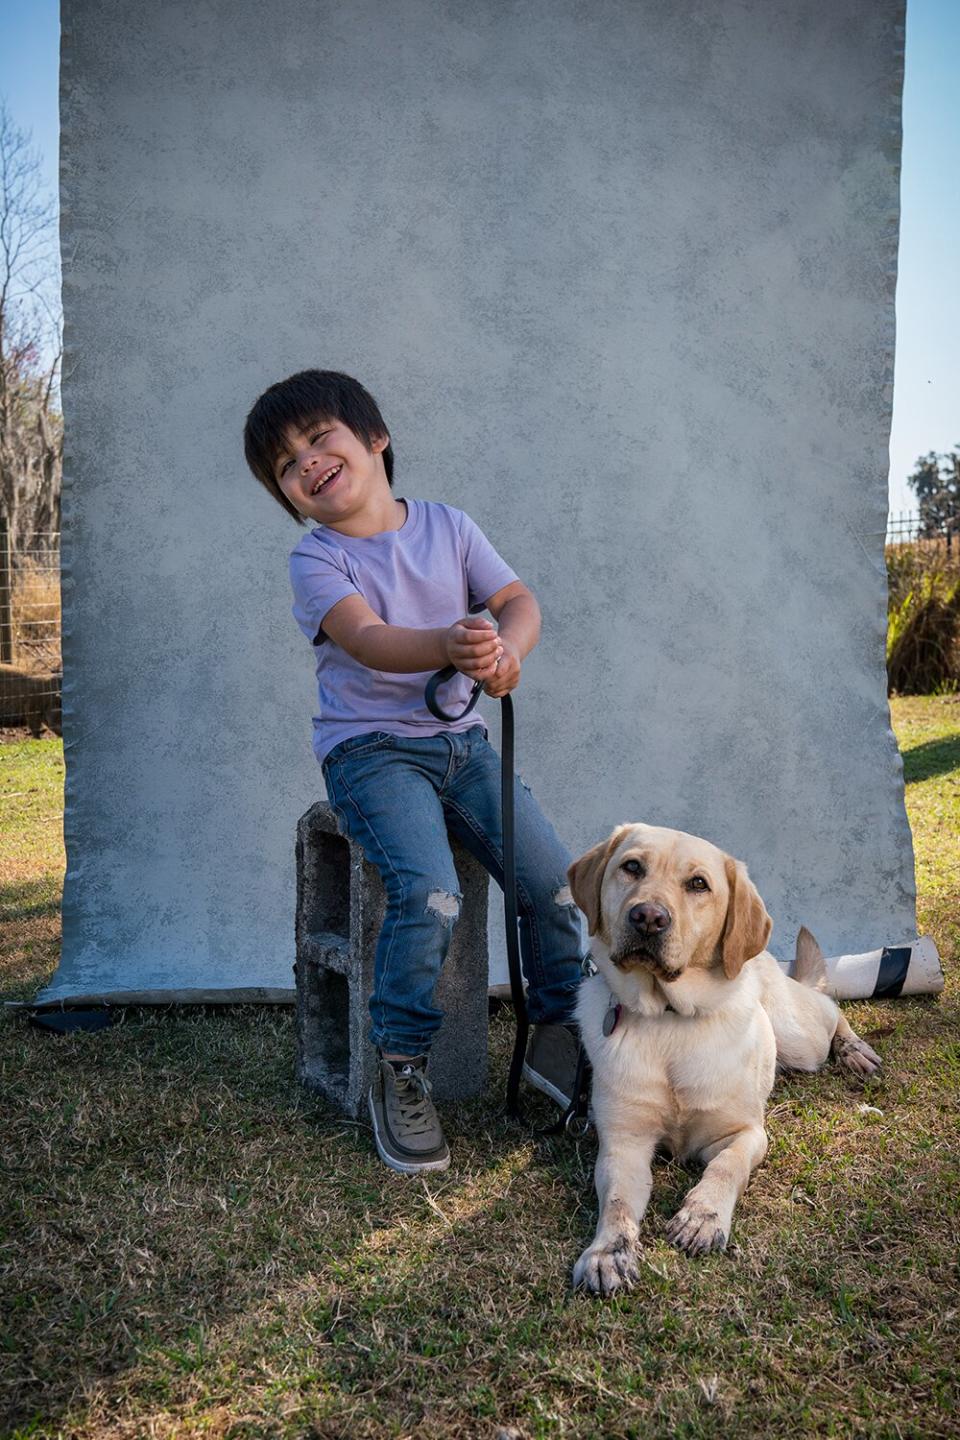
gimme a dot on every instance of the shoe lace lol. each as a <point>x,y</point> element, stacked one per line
<point>413,1099</point>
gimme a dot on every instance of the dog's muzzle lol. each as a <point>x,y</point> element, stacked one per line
<point>642,941</point>
<point>640,959</point>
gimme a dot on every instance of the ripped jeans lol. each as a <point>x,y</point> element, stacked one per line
<point>397,797</point>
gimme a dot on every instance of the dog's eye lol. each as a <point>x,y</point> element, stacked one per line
<point>697,882</point>
<point>633,867</point>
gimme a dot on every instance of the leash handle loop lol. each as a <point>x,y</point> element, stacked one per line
<point>440,677</point>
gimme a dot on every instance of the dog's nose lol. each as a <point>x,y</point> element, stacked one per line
<point>649,919</point>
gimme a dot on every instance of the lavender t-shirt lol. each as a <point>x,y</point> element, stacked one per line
<point>436,568</point>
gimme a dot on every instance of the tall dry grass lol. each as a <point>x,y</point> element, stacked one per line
<point>35,606</point>
<point>923,617</point>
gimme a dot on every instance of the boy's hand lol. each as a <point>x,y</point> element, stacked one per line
<point>474,646</point>
<point>506,675</point>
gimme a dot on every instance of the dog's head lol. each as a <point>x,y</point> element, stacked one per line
<point>666,901</point>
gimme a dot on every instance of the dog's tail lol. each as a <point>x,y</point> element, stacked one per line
<point>808,968</point>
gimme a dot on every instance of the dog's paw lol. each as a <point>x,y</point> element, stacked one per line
<point>696,1229</point>
<point>604,1269</point>
<point>857,1056</point>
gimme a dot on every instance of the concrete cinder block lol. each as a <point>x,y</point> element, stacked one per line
<point>340,909</point>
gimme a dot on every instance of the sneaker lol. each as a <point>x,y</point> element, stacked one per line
<point>405,1124</point>
<point>551,1062</point>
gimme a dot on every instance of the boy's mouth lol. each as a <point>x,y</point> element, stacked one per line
<point>328,478</point>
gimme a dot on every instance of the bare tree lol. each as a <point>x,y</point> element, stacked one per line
<point>31,345</point>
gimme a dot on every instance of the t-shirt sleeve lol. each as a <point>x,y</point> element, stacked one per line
<point>319,580</point>
<point>487,571</point>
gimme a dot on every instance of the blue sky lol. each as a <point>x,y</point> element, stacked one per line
<point>926,412</point>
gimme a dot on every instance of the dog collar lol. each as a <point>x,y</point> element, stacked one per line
<point>611,1018</point>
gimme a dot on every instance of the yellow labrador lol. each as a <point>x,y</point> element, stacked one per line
<point>685,1023</point>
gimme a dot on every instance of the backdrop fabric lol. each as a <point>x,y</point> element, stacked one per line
<point>621,277</point>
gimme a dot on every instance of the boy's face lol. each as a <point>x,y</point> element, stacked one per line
<point>327,473</point>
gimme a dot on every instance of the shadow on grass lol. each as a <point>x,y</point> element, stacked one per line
<point>29,937</point>
<point>186,1226</point>
<point>932,757</point>
<point>30,899</point>
<point>176,1192</point>
<point>189,1107</point>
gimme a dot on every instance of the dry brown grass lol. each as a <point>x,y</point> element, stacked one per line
<point>191,1247</point>
<point>912,558</point>
<point>35,606</point>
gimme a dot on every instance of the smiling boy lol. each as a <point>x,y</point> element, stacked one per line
<point>388,590</point>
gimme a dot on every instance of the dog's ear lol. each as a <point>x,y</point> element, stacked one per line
<point>586,877</point>
<point>748,925</point>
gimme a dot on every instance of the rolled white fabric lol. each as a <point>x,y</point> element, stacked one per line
<point>912,969</point>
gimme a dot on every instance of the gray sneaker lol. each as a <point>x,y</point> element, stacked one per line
<point>405,1124</point>
<point>551,1063</point>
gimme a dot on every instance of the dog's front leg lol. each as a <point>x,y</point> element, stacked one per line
<point>623,1179</point>
<point>703,1221</point>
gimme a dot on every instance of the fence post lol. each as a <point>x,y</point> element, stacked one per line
<point>6,593</point>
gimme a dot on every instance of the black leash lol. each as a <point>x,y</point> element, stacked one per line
<point>577,1109</point>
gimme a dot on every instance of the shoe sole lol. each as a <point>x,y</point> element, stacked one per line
<point>405,1167</point>
<point>540,1082</point>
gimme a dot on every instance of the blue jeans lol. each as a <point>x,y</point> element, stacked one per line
<point>397,797</point>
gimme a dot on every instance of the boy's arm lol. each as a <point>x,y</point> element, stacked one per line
<point>518,617</point>
<point>472,644</point>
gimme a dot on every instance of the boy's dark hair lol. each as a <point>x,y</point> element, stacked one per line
<point>298,402</point>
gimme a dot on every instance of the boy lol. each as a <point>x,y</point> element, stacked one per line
<point>387,591</point>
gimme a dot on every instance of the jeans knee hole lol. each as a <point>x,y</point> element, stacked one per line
<point>444,905</point>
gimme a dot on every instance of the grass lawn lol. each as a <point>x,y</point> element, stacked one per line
<point>190,1247</point>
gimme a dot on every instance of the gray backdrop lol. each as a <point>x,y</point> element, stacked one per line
<point>622,278</point>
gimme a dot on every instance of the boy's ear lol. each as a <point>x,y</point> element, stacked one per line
<point>379,444</point>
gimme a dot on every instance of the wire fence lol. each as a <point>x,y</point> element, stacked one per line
<point>31,667</point>
<point>916,547</point>
<point>30,664</point>
<point>907,528</point>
